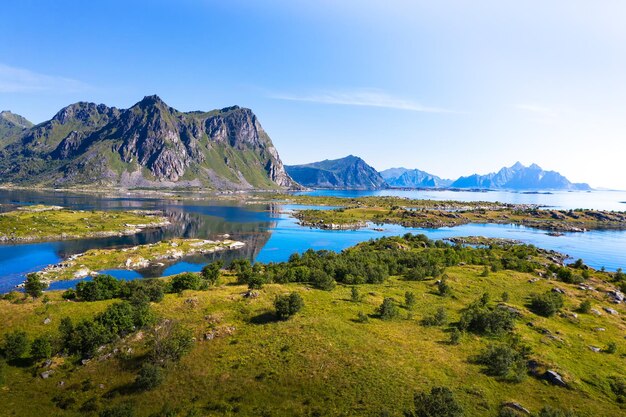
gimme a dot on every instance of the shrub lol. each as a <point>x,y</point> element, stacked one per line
<point>482,319</point>
<point>186,281</point>
<point>320,279</point>
<point>388,310</point>
<point>485,272</point>
<point>440,402</point>
<point>505,297</point>
<point>354,295</point>
<point>443,288</point>
<point>69,294</point>
<point>410,300</point>
<point>15,344</point>
<point>505,360</point>
<point>439,318</point>
<point>362,317</point>
<point>585,307</point>
<point>611,348</point>
<point>41,348</point>
<point>287,305</point>
<point>546,304</point>
<point>455,336</point>
<point>34,286</point>
<point>101,287</point>
<point>170,342</point>
<point>211,272</point>
<point>256,281</point>
<point>150,376</point>
<point>140,291</point>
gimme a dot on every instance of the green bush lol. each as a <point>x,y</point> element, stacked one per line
<point>439,402</point>
<point>170,342</point>
<point>355,296</point>
<point>211,272</point>
<point>548,411</point>
<point>546,304</point>
<point>584,307</point>
<point>34,286</point>
<point>481,319</point>
<point>15,344</point>
<point>410,300</point>
<point>186,281</point>
<point>443,288</point>
<point>455,336</point>
<point>506,361</point>
<point>101,287</point>
<point>41,348</point>
<point>150,376</point>
<point>439,318</point>
<point>362,317</point>
<point>388,310</point>
<point>287,305</point>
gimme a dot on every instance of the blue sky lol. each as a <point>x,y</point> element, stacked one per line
<point>451,87</point>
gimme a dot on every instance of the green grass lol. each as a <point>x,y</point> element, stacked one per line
<point>38,223</point>
<point>322,362</point>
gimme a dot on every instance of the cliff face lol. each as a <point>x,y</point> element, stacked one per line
<point>413,178</point>
<point>350,172</point>
<point>147,145</point>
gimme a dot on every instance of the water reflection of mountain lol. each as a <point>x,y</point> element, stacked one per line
<point>187,224</point>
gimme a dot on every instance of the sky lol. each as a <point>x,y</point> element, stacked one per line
<point>449,87</point>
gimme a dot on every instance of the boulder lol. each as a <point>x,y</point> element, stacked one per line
<point>516,406</point>
<point>611,311</point>
<point>554,378</point>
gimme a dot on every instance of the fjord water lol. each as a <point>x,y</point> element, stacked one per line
<point>271,234</point>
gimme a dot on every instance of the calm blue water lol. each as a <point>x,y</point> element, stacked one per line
<point>599,200</point>
<point>271,234</point>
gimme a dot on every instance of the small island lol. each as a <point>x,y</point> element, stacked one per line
<point>39,223</point>
<point>357,213</point>
<point>134,258</point>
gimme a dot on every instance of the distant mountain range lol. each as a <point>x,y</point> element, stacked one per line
<point>413,178</point>
<point>353,173</point>
<point>520,177</point>
<point>148,145</point>
<point>350,172</point>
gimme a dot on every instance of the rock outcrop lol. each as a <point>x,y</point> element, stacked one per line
<point>148,145</point>
<point>350,172</point>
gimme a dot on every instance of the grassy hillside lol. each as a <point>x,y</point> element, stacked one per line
<point>329,359</point>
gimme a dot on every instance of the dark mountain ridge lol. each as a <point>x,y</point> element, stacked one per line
<point>350,172</point>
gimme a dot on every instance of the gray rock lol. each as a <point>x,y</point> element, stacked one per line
<point>595,349</point>
<point>558,290</point>
<point>47,320</point>
<point>611,311</point>
<point>517,407</point>
<point>46,374</point>
<point>554,378</point>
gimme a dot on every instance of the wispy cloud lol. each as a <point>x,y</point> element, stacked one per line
<point>536,110</point>
<point>20,80</point>
<point>367,97</point>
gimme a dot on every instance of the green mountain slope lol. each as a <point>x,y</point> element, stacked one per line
<point>147,145</point>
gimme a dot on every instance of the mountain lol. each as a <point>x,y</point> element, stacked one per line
<point>350,172</point>
<point>413,178</point>
<point>11,125</point>
<point>147,145</point>
<point>520,177</point>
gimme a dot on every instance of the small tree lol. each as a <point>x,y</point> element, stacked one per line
<point>34,286</point>
<point>15,344</point>
<point>611,347</point>
<point>354,295</point>
<point>455,336</point>
<point>170,342</point>
<point>410,300</point>
<point>443,288</point>
<point>505,297</point>
<point>439,318</point>
<point>41,348</point>
<point>440,402</point>
<point>186,281</point>
<point>150,376</point>
<point>288,304</point>
<point>362,317</point>
<point>584,307</point>
<point>546,304</point>
<point>388,310</point>
<point>211,272</point>
<point>485,272</point>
